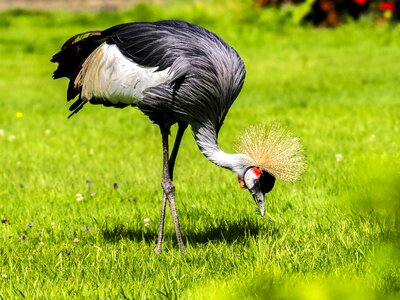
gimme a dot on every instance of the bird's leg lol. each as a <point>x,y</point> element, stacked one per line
<point>169,192</point>
<point>171,163</point>
<point>181,130</point>
<point>161,226</point>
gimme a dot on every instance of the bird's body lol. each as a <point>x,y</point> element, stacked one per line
<point>174,72</point>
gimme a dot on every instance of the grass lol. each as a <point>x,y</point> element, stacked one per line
<point>332,235</point>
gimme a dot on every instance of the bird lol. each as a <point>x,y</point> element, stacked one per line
<point>176,72</point>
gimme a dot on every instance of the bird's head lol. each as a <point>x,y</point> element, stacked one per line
<point>258,183</point>
<point>268,155</point>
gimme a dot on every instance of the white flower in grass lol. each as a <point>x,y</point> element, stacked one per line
<point>146,222</point>
<point>76,240</point>
<point>193,206</point>
<point>79,197</point>
<point>4,276</point>
<point>339,157</point>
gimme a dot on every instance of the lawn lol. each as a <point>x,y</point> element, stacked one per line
<point>334,234</point>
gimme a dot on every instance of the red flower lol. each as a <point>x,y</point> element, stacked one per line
<point>387,6</point>
<point>360,2</point>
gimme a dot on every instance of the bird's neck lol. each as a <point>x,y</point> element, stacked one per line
<point>207,141</point>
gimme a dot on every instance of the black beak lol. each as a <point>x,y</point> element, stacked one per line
<point>258,197</point>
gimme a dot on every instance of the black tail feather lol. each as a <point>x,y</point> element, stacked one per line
<point>72,55</point>
<point>81,36</point>
<point>72,92</point>
<point>76,106</point>
<point>74,52</point>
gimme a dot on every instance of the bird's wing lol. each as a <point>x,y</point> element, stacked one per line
<point>156,45</point>
<point>148,44</point>
<point>210,72</point>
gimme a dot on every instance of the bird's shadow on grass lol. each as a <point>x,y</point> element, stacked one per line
<point>221,230</point>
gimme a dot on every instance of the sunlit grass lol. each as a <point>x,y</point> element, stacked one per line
<point>332,235</point>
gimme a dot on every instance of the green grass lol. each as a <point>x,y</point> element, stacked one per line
<point>332,235</point>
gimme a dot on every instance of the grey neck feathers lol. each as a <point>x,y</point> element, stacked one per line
<point>207,141</point>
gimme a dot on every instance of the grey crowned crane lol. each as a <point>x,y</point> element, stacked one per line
<point>176,72</point>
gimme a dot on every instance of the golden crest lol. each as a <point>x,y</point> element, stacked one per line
<point>274,150</point>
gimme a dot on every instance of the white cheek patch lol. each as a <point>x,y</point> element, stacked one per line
<point>249,177</point>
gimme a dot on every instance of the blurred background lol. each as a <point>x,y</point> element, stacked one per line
<point>71,4</point>
<point>329,13</point>
<point>328,70</point>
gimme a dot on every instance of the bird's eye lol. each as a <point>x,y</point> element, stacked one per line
<point>251,179</point>
<point>256,183</point>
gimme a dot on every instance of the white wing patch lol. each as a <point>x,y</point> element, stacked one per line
<point>108,74</point>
